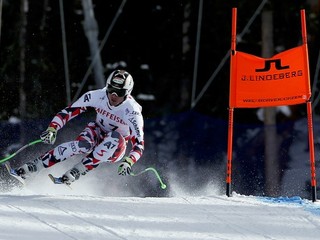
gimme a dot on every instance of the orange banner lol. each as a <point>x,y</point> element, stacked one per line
<point>264,82</point>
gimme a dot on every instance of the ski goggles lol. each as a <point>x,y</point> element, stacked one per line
<point>118,92</point>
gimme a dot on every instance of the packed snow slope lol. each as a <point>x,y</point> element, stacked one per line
<point>27,215</point>
<point>103,205</point>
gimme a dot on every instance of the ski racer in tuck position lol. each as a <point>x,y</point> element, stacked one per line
<point>118,120</point>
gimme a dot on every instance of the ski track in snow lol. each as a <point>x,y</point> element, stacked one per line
<point>26,216</point>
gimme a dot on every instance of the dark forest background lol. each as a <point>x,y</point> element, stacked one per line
<point>154,40</point>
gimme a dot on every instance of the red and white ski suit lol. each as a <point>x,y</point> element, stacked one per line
<point>106,138</point>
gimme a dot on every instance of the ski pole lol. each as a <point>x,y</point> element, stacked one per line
<point>163,186</point>
<point>19,150</point>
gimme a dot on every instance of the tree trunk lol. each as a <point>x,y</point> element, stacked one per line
<point>1,3</point>
<point>184,96</point>
<point>91,31</point>
<point>271,143</point>
<point>22,45</point>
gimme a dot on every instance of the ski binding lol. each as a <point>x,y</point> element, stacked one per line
<point>14,173</point>
<point>58,180</point>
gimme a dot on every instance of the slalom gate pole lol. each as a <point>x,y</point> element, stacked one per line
<point>163,186</point>
<point>19,150</point>
<point>312,154</point>
<point>229,154</point>
<point>231,108</point>
<point>310,121</point>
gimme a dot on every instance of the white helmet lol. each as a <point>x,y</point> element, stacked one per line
<point>119,82</point>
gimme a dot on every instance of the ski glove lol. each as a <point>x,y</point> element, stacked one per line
<point>49,135</point>
<point>125,167</point>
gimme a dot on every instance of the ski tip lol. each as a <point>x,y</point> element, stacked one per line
<point>7,166</point>
<point>51,177</point>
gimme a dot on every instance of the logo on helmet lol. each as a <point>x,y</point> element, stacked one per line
<point>118,81</point>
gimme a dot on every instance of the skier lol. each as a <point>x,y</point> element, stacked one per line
<point>118,119</point>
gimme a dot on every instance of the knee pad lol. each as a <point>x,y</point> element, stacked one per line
<point>85,146</point>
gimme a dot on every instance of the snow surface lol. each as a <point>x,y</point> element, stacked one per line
<point>42,210</point>
<point>104,205</point>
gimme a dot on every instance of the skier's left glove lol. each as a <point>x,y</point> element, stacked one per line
<point>125,166</point>
<point>49,135</point>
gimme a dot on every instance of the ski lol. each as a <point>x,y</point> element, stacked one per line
<point>57,180</point>
<point>13,173</point>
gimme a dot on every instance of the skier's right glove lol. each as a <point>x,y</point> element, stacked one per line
<point>49,135</point>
